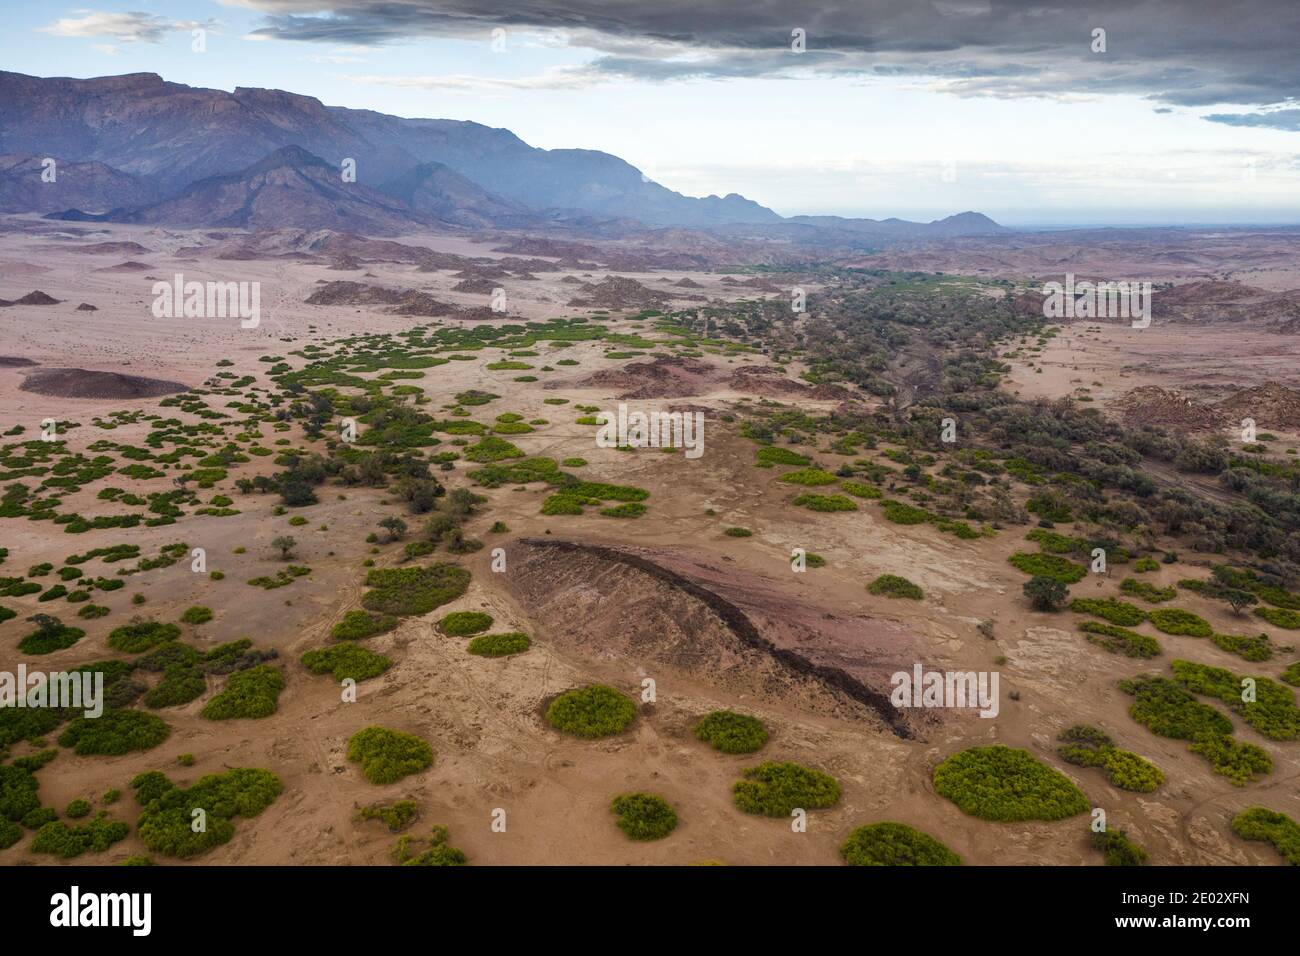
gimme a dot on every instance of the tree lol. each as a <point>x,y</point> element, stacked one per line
<point>1238,599</point>
<point>1045,594</point>
<point>286,543</point>
<point>46,624</point>
<point>395,527</point>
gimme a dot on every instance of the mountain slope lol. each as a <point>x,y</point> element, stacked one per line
<point>440,192</point>
<point>290,188</point>
<point>91,187</point>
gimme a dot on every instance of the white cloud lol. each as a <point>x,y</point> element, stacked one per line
<point>123,27</point>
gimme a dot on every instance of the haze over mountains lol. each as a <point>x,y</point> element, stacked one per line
<point>136,148</point>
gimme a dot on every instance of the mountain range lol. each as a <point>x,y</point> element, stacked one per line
<point>137,148</point>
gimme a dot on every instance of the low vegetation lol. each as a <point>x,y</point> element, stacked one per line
<point>387,756</point>
<point>591,712</point>
<point>644,816</point>
<point>730,732</point>
<point>1006,784</point>
<point>778,789</point>
<point>895,844</point>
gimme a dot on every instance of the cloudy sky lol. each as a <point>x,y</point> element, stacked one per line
<point>1079,111</point>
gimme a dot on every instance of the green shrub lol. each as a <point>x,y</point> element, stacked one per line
<point>777,789</point>
<point>387,756</point>
<point>1119,640</point>
<point>1048,566</point>
<point>1280,617</point>
<point>860,489</point>
<point>1261,823</point>
<point>808,477</point>
<point>1169,710</point>
<point>895,844</point>
<point>825,502</point>
<point>500,645</point>
<point>249,694</point>
<point>901,513</point>
<point>432,851</point>
<point>114,732</point>
<point>397,816</point>
<point>1254,649</point>
<point>891,585</point>
<point>1147,592</point>
<point>165,824</point>
<point>730,732</point>
<point>77,809</point>
<point>1172,620</point>
<point>346,662</point>
<point>418,590</point>
<point>592,711</point>
<point>1292,674</point>
<point>629,509</point>
<point>1273,712</point>
<point>50,635</point>
<point>644,816</point>
<point>67,842</point>
<point>1045,594</point>
<point>1007,784</point>
<point>10,833</point>
<point>771,455</point>
<point>465,623</point>
<point>1087,746</point>
<point>1110,609</point>
<point>737,532</point>
<point>140,636</point>
<point>1119,850</point>
<point>198,614</point>
<point>357,625</point>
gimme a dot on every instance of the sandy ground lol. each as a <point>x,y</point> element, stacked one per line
<point>482,716</point>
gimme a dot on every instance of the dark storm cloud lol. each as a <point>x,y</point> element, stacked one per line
<point>1189,53</point>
